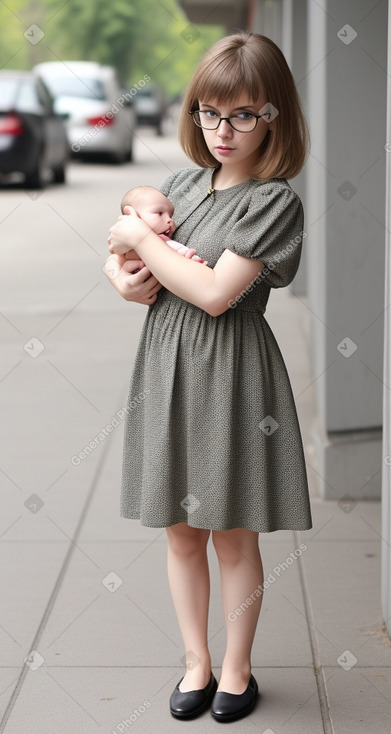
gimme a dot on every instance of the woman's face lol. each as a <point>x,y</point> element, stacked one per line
<point>228,146</point>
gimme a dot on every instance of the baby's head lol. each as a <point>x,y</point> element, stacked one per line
<point>153,208</point>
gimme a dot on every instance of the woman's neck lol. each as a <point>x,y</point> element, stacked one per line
<point>222,179</point>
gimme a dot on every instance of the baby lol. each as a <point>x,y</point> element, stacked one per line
<point>156,210</point>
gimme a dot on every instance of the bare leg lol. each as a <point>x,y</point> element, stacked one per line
<point>241,574</point>
<point>188,574</point>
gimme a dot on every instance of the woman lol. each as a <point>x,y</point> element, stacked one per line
<point>215,447</point>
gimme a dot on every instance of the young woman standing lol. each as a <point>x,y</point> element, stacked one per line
<point>215,445</point>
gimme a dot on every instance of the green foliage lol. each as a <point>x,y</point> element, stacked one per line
<point>138,37</point>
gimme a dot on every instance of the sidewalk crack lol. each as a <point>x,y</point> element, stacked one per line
<point>328,727</point>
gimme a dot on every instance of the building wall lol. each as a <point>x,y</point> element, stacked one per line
<point>386,463</point>
<point>347,54</point>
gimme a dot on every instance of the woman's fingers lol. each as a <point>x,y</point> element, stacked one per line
<point>144,279</point>
<point>113,266</point>
<point>130,210</point>
<point>131,266</point>
<point>132,279</point>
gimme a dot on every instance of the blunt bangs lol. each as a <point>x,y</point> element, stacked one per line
<point>219,81</point>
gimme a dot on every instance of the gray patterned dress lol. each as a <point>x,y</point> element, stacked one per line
<point>211,431</point>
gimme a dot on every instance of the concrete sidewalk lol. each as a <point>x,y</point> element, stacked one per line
<point>86,598</point>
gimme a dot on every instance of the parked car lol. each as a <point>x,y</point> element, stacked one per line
<point>151,107</point>
<point>32,137</point>
<point>99,115</point>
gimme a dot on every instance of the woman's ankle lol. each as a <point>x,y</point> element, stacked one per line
<point>196,676</point>
<point>234,676</point>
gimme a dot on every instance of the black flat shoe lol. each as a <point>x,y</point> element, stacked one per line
<point>231,706</point>
<point>190,704</point>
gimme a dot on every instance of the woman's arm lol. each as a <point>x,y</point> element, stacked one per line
<point>141,287</point>
<point>210,289</point>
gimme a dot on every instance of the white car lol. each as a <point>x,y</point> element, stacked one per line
<point>99,115</point>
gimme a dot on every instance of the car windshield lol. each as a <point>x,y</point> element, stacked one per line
<point>75,86</point>
<point>8,89</point>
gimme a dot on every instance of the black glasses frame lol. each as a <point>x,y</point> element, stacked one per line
<point>228,119</point>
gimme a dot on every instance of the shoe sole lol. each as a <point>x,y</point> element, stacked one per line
<point>192,714</point>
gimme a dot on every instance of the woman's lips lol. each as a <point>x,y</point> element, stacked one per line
<point>224,149</point>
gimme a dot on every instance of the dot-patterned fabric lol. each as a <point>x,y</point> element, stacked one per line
<point>211,432</point>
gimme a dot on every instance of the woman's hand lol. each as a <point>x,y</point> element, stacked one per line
<point>127,233</point>
<point>141,287</point>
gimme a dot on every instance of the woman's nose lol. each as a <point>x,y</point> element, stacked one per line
<point>224,130</point>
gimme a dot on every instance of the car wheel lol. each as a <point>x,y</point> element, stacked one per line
<point>59,174</point>
<point>118,158</point>
<point>36,179</point>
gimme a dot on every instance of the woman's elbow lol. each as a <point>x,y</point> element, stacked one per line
<point>216,307</point>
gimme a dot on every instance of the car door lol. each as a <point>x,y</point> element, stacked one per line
<point>27,103</point>
<point>54,131</point>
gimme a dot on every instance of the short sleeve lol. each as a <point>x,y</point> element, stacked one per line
<point>165,188</point>
<point>271,231</point>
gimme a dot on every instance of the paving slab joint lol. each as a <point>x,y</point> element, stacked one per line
<point>327,723</point>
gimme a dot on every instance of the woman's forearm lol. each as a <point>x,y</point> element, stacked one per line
<point>190,280</point>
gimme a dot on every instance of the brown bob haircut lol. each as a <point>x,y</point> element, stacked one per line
<point>251,63</point>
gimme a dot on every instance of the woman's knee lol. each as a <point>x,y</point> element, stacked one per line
<point>185,540</point>
<point>233,546</point>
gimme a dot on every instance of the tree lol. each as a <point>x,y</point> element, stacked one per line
<point>138,37</point>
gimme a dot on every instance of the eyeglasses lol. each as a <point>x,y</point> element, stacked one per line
<point>243,122</point>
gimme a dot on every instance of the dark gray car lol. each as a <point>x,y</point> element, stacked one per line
<point>33,138</point>
<point>151,107</point>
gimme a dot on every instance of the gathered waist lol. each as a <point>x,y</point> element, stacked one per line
<point>167,299</point>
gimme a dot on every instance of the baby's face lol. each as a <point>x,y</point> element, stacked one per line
<point>157,212</point>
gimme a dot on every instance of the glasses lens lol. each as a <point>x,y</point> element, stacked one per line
<point>244,122</point>
<point>203,119</point>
